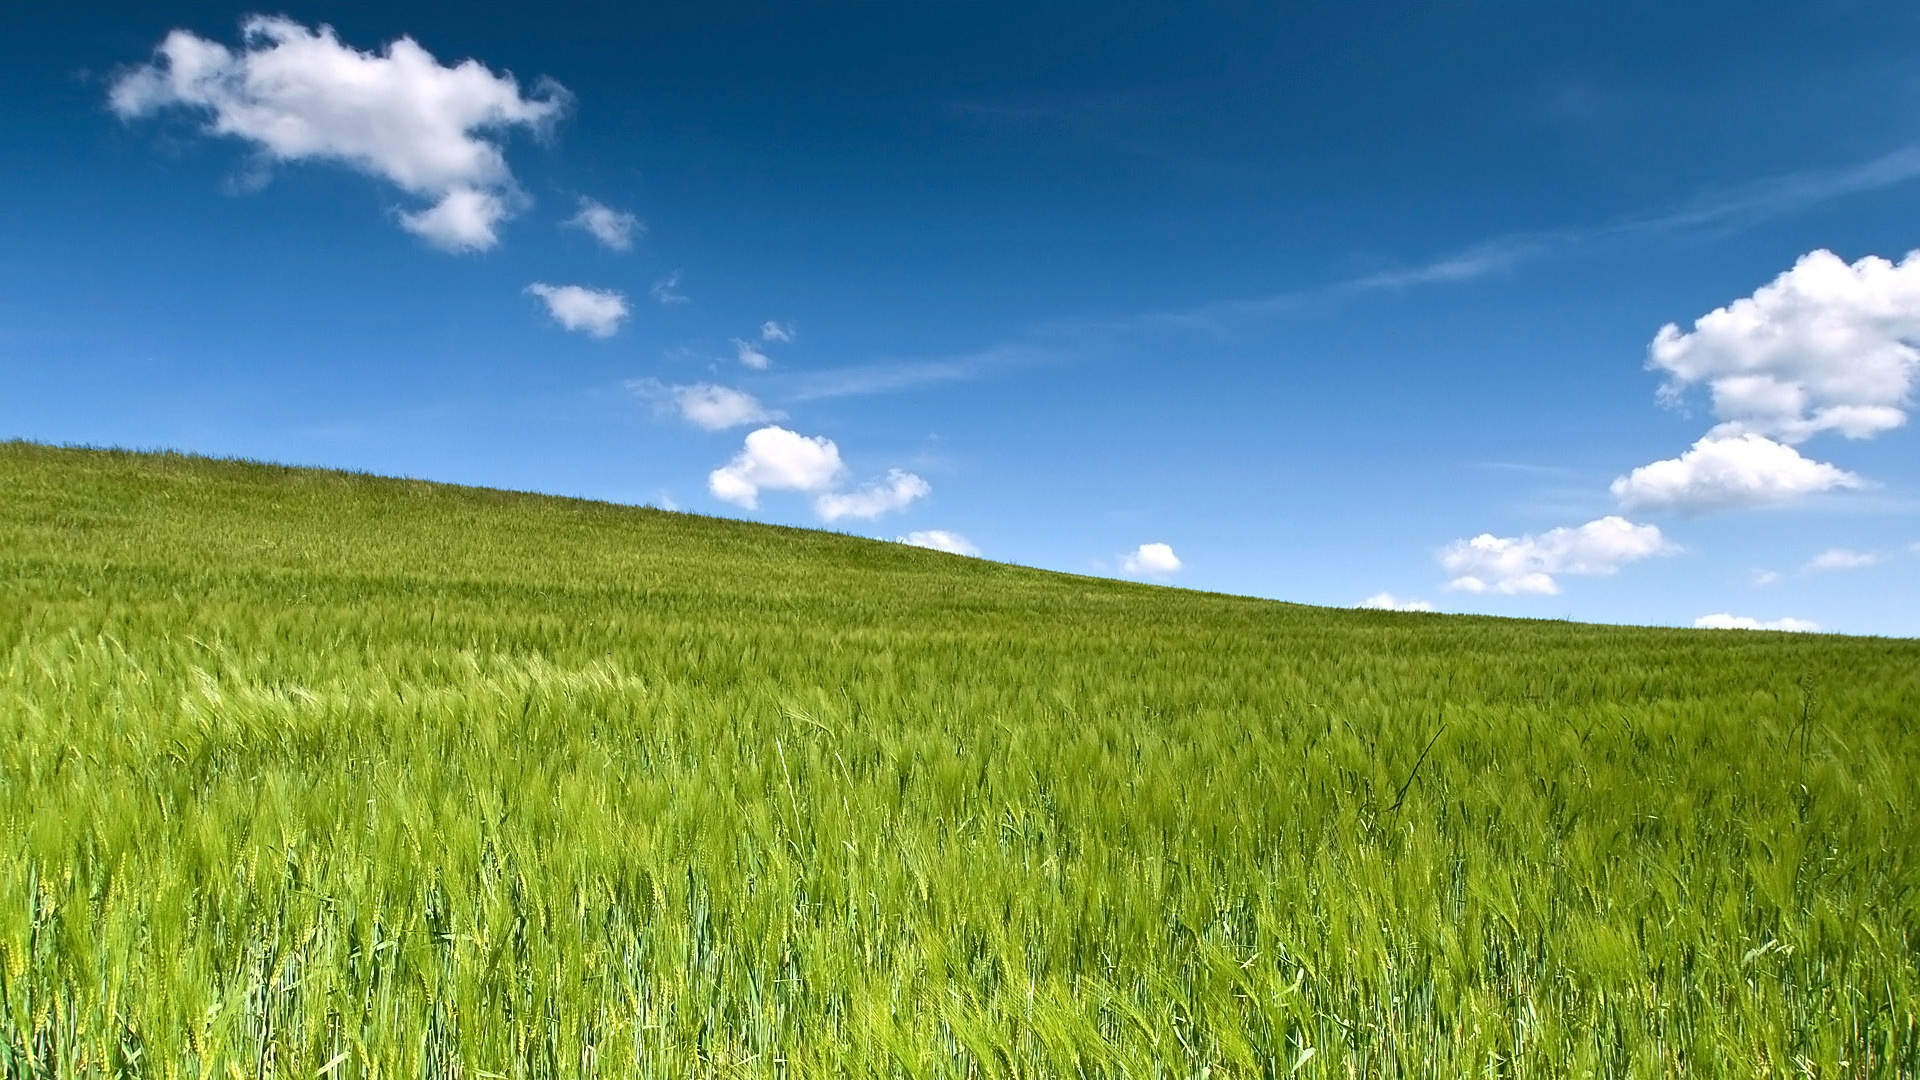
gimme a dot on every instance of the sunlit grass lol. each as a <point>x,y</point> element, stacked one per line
<point>303,772</point>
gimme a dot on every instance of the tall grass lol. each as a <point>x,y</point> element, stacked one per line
<point>305,773</point>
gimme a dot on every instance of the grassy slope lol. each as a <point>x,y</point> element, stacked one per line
<point>300,768</point>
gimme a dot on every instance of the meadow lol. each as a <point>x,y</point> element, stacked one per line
<point>305,773</point>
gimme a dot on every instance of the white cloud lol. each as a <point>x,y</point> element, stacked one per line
<point>776,331</point>
<point>465,220</point>
<point>717,408</point>
<point>1725,472</point>
<point>1724,621</point>
<point>1527,564</point>
<point>613,228</point>
<point>1386,601</point>
<point>1840,559</point>
<point>1823,347</point>
<point>595,312</point>
<point>775,459</point>
<point>940,540</point>
<point>1763,578</point>
<point>1151,559</point>
<point>704,405</point>
<point>297,94</point>
<point>666,290</point>
<point>899,489</point>
<point>751,356</point>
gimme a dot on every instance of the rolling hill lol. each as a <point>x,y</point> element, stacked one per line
<point>311,773</point>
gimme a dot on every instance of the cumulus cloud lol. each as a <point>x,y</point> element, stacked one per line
<point>896,492</point>
<point>296,94</point>
<point>594,312</point>
<point>1826,346</point>
<point>705,405</point>
<point>775,459</point>
<point>667,290</point>
<point>465,220</point>
<point>614,229</point>
<point>751,356</point>
<point>1386,601</point>
<point>1724,621</point>
<point>1840,559</point>
<point>1727,472</point>
<point>939,540</point>
<point>1151,559</point>
<point>1527,564</point>
<point>776,331</point>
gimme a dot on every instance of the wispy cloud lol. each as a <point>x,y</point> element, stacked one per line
<point>667,290</point>
<point>1841,559</point>
<point>1070,339</point>
<point>1725,211</point>
<point>890,377</point>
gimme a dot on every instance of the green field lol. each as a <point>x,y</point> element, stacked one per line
<point>304,772</point>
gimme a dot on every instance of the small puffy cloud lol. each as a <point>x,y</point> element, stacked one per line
<point>1724,621</point>
<point>898,490</point>
<point>667,290</point>
<point>1840,559</point>
<point>1728,472</point>
<point>594,312</point>
<point>939,540</point>
<point>1826,346</point>
<point>614,229</point>
<point>1517,565</point>
<point>1151,559</point>
<point>1386,601</point>
<point>775,459</point>
<point>465,220</point>
<point>776,331</point>
<point>750,356</point>
<point>705,405</point>
<point>296,94</point>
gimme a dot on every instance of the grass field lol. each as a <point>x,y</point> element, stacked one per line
<point>305,773</point>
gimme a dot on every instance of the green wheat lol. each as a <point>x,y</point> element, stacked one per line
<point>313,774</point>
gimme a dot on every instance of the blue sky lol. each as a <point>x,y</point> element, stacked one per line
<point>1316,302</point>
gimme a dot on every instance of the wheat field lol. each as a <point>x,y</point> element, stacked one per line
<point>312,774</point>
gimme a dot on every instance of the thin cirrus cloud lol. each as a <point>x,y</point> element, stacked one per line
<point>1386,601</point>
<point>1731,472</point>
<point>1841,559</point>
<point>1521,565</point>
<point>667,290</point>
<point>298,94</point>
<point>594,312</point>
<point>1723,621</point>
<point>940,540</point>
<point>1151,559</point>
<point>772,330</point>
<point>775,459</point>
<point>706,405</point>
<point>614,229</point>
